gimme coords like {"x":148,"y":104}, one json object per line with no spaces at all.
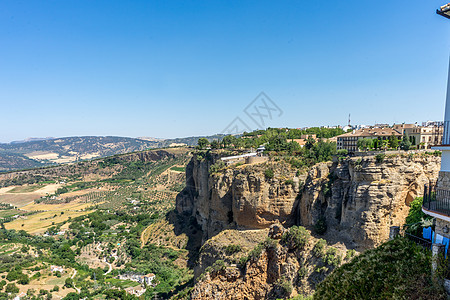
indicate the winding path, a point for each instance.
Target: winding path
{"x":72,"y":277}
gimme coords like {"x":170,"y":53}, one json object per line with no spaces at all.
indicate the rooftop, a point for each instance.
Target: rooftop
{"x":371,"y":132}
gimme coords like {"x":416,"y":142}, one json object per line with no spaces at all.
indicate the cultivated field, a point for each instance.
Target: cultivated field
{"x":47,"y":215}
{"x":23,"y":195}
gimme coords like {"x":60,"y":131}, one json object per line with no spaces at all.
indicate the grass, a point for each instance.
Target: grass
{"x":122,"y":283}
{"x":178,"y":169}
{"x":26,"y":188}
{"x":9,"y":212}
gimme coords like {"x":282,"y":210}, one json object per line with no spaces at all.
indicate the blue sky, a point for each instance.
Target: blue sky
{"x":181,"y":68}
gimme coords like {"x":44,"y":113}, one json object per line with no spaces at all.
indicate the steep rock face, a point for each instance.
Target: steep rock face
{"x":358,"y":198}
{"x":267,"y":275}
{"x":241,"y":197}
{"x":361,"y":198}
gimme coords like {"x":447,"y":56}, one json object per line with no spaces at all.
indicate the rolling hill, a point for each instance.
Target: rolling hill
{"x":33,"y":153}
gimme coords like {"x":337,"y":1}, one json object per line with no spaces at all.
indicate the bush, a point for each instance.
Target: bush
{"x":68,"y":282}
{"x":11,"y":288}
{"x":302,"y":271}
{"x":289,"y":182}
{"x":219,"y":165}
{"x":218,"y":265}
{"x":332,"y":257}
{"x":295,"y":237}
{"x":232,"y":249}
{"x":350,"y":254}
{"x":380,"y":157}
{"x":284,"y":287}
{"x":398,"y":269}
{"x":268,"y":173}
{"x":342,"y":152}
{"x":319,"y":248}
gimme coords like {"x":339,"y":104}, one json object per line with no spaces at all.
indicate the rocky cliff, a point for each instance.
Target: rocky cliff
{"x":356,"y":198}
{"x":360,"y":198}
{"x":242,"y":197}
{"x":351,"y":203}
{"x":272,"y":270}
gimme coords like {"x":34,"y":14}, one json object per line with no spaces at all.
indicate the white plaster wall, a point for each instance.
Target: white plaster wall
{"x":445,"y":162}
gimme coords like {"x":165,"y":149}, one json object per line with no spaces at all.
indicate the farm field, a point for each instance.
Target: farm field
{"x":47,"y":215}
{"x":23,"y":195}
{"x":106,"y":209}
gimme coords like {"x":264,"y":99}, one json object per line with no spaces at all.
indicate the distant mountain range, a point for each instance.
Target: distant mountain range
{"x":38,"y":152}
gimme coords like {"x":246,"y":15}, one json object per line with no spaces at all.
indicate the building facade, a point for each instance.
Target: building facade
{"x":349,"y":141}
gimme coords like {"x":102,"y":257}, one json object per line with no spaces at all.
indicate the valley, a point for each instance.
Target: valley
{"x":199,"y":228}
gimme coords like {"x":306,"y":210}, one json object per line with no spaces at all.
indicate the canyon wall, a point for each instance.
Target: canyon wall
{"x":357,"y":198}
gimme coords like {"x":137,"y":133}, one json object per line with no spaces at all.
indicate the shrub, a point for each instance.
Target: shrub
{"x":284,"y":287}
{"x":218,"y":265}
{"x":270,"y":243}
{"x":11,"y":288}
{"x":216,"y":167}
{"x":342,"y":152}
{"x":302,"y":271}
{"x":268,"y":173}
{"x":68,"y":282}
{"x":332,"y":257}
{"x":319,"y":248}
{"x":398,"y":269}
{"x":289,"y":181}
{"x":350,"y":254}
{"x":256,"y":252}
{"x":232,"y":249}
{"x":380,"y":157}
{"x":243,"y":261}
{"x":295,"y":237}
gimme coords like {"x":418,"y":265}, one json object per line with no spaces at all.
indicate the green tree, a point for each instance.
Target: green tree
{"x":405,"y":144}
{"x":365,"y":144}
{"x":68,"y":282}
{"x":228,"y":140}
{"x":215,"y":144}
{"x":202,"y":143}
{"x":393,"y":142}
{"x":11,"y":288}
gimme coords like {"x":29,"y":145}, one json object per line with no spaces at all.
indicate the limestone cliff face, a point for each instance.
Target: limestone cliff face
{"x":361,"y":198}
{"x":241,"y":197}
{"x":278,"y":272}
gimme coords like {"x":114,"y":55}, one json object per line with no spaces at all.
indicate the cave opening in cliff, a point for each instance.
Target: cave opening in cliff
{"x":230,"y":217}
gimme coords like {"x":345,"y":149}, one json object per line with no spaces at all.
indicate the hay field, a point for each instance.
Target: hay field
{"x":21,"y":196}
{"x":50,"y":214}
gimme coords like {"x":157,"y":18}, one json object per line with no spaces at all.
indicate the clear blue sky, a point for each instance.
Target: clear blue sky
{"x":181,"y":68}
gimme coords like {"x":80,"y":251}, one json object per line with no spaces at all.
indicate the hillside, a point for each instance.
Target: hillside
{"x":33,"y":153}
{"x":264,"y":228}
{"x":90,"y":219}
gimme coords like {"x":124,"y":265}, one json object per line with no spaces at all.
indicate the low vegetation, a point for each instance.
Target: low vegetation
{"x":398,"y":269}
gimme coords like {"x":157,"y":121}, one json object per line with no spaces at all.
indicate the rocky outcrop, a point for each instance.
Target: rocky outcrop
{"x":277,"y":271}
{"x":353,"y":201}
{"x":357,"y":199}
{"x":360,"y":198}
{"x":244,"y":197}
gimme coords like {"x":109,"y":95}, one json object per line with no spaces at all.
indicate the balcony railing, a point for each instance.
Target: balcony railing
{"x":436,"y":200}
{"x":426,"y":244}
